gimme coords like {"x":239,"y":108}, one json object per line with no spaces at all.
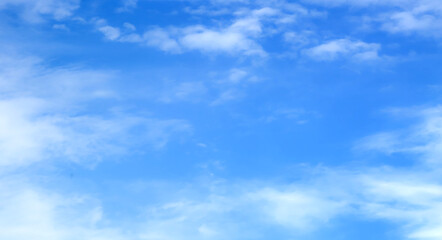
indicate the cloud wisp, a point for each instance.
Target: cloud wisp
{"x":241,"y":36}
{"x":35,"y":11}
{"x":36,"y":124}
{"x":344,"y":48}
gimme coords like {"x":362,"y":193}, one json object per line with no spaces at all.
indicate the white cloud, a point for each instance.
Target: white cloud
{"x":384,"y":142}
{"x":129,"y":26}
{"x":109,"y":32}
{"x":190,"y":220}
{"x":243,"y":210}
{"x":60,"y":27}
{"x":31,"y":131}
{"x":412,"y":198}
{"x":213,"y":41}
{"x":240,"y":36}
{"x":297,"y":209}
{"x":409,"y":199}
{"x":406,"y":199}
{"x":239,"y":213}
{"x":425,"y":22}
{"x":23,"y":136}
{"x":359,"y":2}
{"x":342,"y":48}
{"x":400,"y":16}
{"x":41,"y":116}
{"x":406,"y":21}
{"x":223,"y":86}
{"x":423,"y":139}
{"x":236,"y":75}
{"x":28,"y":77}
{"x":227,"y":210}
{"x":299,"y":39}
{"x":127,"y":5}
{"x":29,"y":212}
{"x":185,"y":91}
{"x":227,"y":95}
{"x":35,"y":10}
{"x":230,"y":40}
{"x":162,"y":39}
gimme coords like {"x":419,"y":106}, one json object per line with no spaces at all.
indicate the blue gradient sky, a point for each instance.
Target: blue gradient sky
{"x":220,"y":120}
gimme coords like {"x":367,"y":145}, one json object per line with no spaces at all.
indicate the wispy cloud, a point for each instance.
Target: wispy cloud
{"x":400,"y":16}
{"x":200,"y":38}
{"x":37,"y":125}
{"x":408,"y":199}
{"x":35,"y":11}
{"x":127,"y":5}
{"x":28,"y":211}
{"x":241,"y":35}
{"x":235,"y":210}
{"x":344,"y":48}
{"x":422,"y":139}
{"x":240,"y":213}
{"x":184,"y":91}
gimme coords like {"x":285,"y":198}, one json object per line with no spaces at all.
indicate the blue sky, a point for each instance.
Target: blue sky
{"x":220,"y":120}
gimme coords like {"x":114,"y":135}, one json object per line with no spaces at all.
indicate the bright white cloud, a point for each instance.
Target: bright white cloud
{"x":210,"y":41}
{"x":25,"y":137}
{"x":109,"y":32}
{"x":199,"y":38}
{"x":240,"y":36}
{"x":297,"y":209}
{"x":29,"y":212}
{"x":36,"y":125}
{"x":411,"y":198}
{"x":32,"y":131}
{"x":343,"y":48}
{"x":406,"y":199}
